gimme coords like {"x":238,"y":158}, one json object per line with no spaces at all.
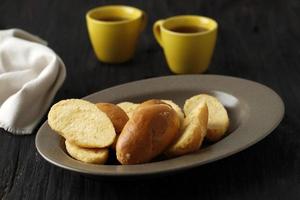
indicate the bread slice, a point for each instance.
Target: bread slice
{"x":128,"y":107}
{"x":87,"y":155}
{"x":218,"y":121}
{"x":193,"y":132}
{"x":81,"y":123}
{"x":176,"y":108}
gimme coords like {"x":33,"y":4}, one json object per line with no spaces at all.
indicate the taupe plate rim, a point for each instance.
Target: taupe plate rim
{"x":260,"y":100}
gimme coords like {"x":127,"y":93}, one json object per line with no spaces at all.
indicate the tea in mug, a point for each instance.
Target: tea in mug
{"x":189,"y":29}
{"x":112,"y":19}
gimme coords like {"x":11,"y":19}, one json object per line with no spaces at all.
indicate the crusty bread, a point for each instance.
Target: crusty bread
{"x":81,"y":123}
{"x":193,"y":132}
{"x":218,"y":120}
{"x":116,"y":114}
{"x":150,"y":130}
{"x":128,"y":107}
{"x":87,"y":155}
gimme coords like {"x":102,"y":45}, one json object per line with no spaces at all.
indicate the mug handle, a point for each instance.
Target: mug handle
{"x":157,"y":31}
{"x":144,"y":21}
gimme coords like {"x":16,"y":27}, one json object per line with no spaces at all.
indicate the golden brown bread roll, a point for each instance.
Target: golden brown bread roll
{"x":150,"y":130}
{"x":117,"y":116}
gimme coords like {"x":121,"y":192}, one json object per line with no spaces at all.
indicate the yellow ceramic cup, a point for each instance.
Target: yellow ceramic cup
{"x":114,"y":31}
{"x":186,"y":49}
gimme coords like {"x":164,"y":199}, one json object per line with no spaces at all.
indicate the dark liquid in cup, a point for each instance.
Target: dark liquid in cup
{"x":189,"y":29}
{"x":112,"y":19}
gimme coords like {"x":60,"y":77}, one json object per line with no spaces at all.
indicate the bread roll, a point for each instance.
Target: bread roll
{"x":81,"y":123}
{"x":193,"y":132}
{"x":87,"y":155}
{"x":116,"y":114}
{"x":150,"y":130}
{"x":128,"y":107}
{"x":218,"y":120}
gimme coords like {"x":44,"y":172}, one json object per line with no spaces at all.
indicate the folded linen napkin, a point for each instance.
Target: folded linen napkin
{"x":30,"y":75}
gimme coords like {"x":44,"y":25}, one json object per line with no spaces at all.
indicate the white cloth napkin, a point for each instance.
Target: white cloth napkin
{"x":30,"y":75}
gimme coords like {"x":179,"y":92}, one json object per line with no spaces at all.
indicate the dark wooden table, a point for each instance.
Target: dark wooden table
{"x":258,"y":40}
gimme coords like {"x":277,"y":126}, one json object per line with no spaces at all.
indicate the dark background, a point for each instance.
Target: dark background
{"x":258,"y":40}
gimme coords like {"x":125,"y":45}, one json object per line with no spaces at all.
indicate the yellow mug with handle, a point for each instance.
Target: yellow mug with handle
{"x":188,"y":42}
{"x":114,"y":31}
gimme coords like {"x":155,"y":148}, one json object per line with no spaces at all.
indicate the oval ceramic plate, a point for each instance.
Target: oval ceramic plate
{"x":254,"y":110}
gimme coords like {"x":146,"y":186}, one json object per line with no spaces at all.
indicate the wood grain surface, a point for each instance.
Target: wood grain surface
{"x":258,"y":40}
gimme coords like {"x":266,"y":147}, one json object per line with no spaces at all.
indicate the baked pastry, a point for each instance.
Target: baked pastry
{"x":150,"y":130}
{"x":218,"y":121}
{"x":138,"y":132}
{"x":128,"y":107}
{"x":81,"y":123}
{"x":87,"y":155}
{"x":193,"y":132}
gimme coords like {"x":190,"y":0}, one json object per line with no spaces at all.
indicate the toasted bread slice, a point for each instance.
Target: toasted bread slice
{"x":176,"y":108}
{"x":218,"y":120}
{"x":128,"y":107}
{"x":81,"y":123}
{"x":87,"y":155}
{"x":193,"y":132}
